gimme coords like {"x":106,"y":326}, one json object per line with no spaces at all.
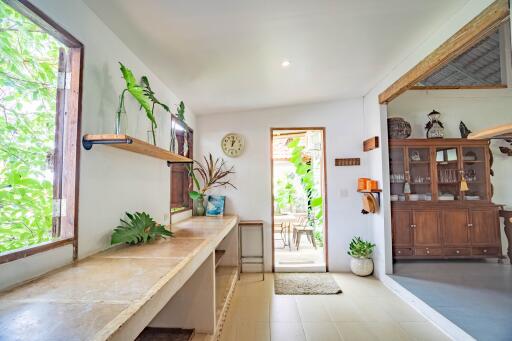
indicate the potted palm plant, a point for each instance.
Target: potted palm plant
{"x":213,"y":174}
{"x":361,"y":252}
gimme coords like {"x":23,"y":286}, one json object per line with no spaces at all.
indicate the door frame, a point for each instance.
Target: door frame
{"x":491,"y":18}
{"x":324,"y":190}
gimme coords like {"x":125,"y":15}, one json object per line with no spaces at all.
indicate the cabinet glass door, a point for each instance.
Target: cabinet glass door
{"x":475,"y":167}
{"x":448,"y":174}
{"x":419,"y":176}
{"x":397,"y":173}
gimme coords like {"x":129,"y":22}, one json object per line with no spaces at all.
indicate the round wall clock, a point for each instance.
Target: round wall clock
{"x":233,"y":144}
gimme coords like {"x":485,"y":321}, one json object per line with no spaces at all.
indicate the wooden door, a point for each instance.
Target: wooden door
{"x":484,"y":227}
{"x":455,"y":227}
{"x":427,"y":231}
{"x":401,"y":227}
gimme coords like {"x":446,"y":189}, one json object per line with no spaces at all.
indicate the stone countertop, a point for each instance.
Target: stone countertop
{"x":94,"y":298}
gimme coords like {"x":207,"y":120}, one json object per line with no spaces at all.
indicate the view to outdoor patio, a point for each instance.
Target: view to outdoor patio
{"x":298,"y":202}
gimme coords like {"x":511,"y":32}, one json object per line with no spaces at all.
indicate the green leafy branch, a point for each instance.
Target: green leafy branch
{"x":140,"y":228}
{"x":143,"y":94}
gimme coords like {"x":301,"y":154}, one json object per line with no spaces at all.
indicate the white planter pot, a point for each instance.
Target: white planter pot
{"x":361,"y":266}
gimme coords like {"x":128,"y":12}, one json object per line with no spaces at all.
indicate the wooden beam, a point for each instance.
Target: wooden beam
{"x":487,"y":21}
{"x":502,"y":131}
{"x":505,"y":55}
{"x":460,"y":87}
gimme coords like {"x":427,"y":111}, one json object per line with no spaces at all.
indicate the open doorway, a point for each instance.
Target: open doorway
{"x":299,"y":223}
{"x":450,"y":190}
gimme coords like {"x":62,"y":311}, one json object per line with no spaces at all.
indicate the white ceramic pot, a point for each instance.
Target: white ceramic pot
{"x":361,"y":266}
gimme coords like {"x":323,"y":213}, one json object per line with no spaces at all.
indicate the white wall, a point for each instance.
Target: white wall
{"x":252,"y":200}
{"x":375,"y":124}
{"x":111,"y":181}
{"x":479,"y":109}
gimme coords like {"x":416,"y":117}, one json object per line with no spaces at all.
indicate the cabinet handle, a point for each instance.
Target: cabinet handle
{"x":485,"y":250}
{"x":457,"y":251}
{"x":428,"y":252}
{"x":470,"y":225}
{"x":399,"y":252}
{"x":413,"y":225}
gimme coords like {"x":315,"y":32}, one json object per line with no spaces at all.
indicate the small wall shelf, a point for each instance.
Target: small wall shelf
{"x":133,"y":145}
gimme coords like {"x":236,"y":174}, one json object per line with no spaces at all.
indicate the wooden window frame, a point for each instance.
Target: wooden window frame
{"x":68,"y":132}
{"x":180,"y":169}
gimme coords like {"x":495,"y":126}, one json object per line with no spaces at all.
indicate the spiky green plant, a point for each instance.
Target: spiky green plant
{"x":181,"y":111}
{"x":140,"y":228}
{"x":213,"y":174}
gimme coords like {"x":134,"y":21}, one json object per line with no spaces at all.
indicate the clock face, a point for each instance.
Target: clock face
{"x":233,"y":144}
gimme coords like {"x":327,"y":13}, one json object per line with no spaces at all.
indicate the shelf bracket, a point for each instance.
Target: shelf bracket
{"x":89,"y":143}
{"x":170,"y":163}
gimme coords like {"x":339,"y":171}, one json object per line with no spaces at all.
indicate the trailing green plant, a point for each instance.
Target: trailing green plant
{"x":213,"y":174}
{"x":143,"y":94}
{"x":304,"y":170}
{"x":181,"y":111}
{"x":359,"y":248}
{"x":140,"y":228}
{"x":285,"y":194}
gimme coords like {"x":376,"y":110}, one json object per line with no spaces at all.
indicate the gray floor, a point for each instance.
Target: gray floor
{"x":475,"y":295}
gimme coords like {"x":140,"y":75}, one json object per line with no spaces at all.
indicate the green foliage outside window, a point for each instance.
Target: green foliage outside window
{"x":28,"y":79}
{"x":304,"y":170}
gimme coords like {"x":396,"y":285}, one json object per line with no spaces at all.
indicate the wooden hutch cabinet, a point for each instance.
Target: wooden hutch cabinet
{"x":431,"y":216}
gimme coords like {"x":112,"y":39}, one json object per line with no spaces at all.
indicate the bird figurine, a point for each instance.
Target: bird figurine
{"x":464,"y":131}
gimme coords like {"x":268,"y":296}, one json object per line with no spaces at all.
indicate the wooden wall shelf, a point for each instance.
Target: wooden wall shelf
{"x":133,"y":145}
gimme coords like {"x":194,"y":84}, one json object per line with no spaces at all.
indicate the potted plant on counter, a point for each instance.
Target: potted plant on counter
{"x":213,"y":173}
{"x":361,"y":251}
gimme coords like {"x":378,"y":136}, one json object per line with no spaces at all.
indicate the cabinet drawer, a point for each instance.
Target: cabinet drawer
{"x":455,"y":251}
{"x":426,"y":251}
{"x":485,"y":251}
{"x":402,"y":252}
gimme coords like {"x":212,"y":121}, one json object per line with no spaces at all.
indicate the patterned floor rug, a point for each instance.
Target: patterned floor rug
{"x":305,"y":284}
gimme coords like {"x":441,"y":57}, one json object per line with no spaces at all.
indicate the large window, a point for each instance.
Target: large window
{"x":39,"y":125}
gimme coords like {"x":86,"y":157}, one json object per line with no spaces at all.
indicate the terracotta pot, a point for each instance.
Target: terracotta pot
{"x":361,"y":266}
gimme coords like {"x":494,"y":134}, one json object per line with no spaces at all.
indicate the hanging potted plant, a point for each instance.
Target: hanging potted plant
{"x":212,"y":174}
{"x":361,"y":251}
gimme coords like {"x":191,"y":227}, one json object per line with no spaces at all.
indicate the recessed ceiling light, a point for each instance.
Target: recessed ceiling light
{"x":285,"y":63}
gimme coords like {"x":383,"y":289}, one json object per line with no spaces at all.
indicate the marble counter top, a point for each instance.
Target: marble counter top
{"x":113,"y":294}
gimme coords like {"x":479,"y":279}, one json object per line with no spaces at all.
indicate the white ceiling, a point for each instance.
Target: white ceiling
{"x":225,"y":55}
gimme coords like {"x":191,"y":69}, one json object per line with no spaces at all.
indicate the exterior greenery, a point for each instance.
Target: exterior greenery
{"x":304,"y":170}
{"x":28,"y":82}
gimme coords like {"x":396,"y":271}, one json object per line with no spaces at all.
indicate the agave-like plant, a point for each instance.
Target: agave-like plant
{"x":143,"y":94}
{"x":140,"y":228}
{"x":213,"y":174}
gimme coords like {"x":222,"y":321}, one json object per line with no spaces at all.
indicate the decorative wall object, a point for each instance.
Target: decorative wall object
{"x":347,"y":162}
{"x":464,"y":131}
{"x":434,"y":127}
{"x":371,"y":144}
{"x":398,"y":128}
{"x":215,"y":206}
